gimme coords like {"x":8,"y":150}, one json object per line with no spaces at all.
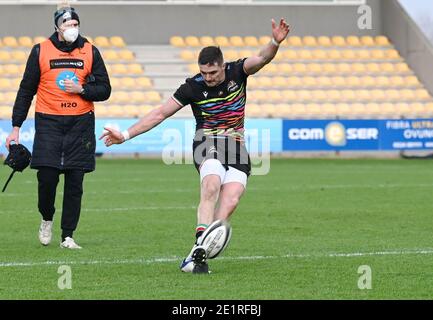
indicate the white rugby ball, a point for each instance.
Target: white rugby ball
{"x":216,"y":238}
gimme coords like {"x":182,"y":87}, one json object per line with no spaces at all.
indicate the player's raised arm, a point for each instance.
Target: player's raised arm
{"x":279,"y":33}
{"x":149,"y":121}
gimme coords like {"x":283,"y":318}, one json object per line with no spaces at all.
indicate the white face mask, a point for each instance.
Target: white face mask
{"x":71,"y":34}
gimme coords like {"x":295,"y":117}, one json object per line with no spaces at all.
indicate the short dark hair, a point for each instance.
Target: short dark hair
{"x":211,"y":55}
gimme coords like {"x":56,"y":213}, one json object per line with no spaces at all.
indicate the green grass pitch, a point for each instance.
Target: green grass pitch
{"x":300,"y":232}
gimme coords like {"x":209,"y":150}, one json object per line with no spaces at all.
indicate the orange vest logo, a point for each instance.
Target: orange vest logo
{"x":56,"y":67}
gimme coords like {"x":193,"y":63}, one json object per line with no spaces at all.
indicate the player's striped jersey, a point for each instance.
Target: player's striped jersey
{"x":218,"y":110}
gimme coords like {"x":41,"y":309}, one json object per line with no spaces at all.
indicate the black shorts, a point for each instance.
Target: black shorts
{"x":227,"y":150}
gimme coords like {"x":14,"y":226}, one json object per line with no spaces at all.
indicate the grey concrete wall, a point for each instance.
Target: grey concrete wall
{"x":409,"y":40}
{"x":153,"y":24}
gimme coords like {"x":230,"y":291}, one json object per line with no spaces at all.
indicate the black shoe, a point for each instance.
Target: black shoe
{"x":200,"y":264}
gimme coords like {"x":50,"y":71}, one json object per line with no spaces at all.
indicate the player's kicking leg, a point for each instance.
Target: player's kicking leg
{"x":212,"y":174}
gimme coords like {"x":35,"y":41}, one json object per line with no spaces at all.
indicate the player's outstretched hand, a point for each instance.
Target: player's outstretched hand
{"x":281,"y":31}
{"x":112,"y":136}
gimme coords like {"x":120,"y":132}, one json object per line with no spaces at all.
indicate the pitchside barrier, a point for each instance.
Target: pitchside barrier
{"x":265,"y":135}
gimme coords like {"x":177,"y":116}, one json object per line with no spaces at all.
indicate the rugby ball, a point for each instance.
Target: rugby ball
{"x":216,"y":238}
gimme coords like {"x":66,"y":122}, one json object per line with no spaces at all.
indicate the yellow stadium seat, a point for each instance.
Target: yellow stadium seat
{"x":153,"y":97}
{"x":144,"y":82}
{"x":283,"y":68}
{"x":115,"y":83}
{"x":363,"y":95}
{"x":110,"y":55}
{"x":319,"y":54}
{"x":324,"y":41}
{"x":252,"y":82}
{"x":299,"y":68}
{"x":290,"y":54}
{"x":313,"y":109}
{"x":39,"y":39}
{"x":319,"y":95}
{"x":15,"y":82}
{"x":367,"y":41}
{"x":402,"y":108}
{"x":387,"y":68}
{"x":363,"y":54}
{"x":305,"y":54}
{"x":392,"y":95}
{"x":299,"y":110}
{"x":5,"y":56}
{"x":102,"y":42}
{"x":192,"y":41}
{"x":1,"y":42}
{"x":402,"y":67}
{"x":188,"y":55}
{"x":11,"y":69}
{"x":119,"y":68}
{"x":289,"y":95}
{"x":368,"y":81}
{"x":193,"y":68}
{"x":304,"y":95}
{"x":5,"y":83}
{"x":117,"y":41}
{"x":338,"y":41}
{"x":264,"y":40}
{"x":280,"y":82}
{"x":26,"y":42}
{"x":382,"y":81}
{"x":126,"y":55}
{"x":329,"y":109}
{"x":354,"y":82}
{"x":128,"y":82}
{"x":334,"y":55}
{"x":131,"y":111}
{"x":119,"y":97}
{"x":5,"y":112}
{"x":392,"y":54}
{"x":309,"y":41}
{"x":271,"y":68}
{"x":207,"y":41}
{"x":344,"y":68}
{"x":135,"y":68}
{"x":9,"y":96}
{"x":429,"y":107}
{"x":177,"y":41}
{"x":309,"y":82}
{"x":324,"y":82}
{"x":236,"y":41}
{"x":222,"y":41}
{"x":348,"y":54}
{"x":295,"y":41}
{"x":382,"y":41}
{"x":348,"y":95}
{"x":397,"y":81}
{"x":101,"y":111}
{"x":264,"y":82}
{"x":251,"y":41}
{"x":275,"y":95}
{"x":138,"y":97}
{"x":252,"y":110}
{"x":339,"y":81}
{"x":412,"y":81}
{"x":408,"y":95}
{"x":10,"y":42}
{"x":372,"y":108}
{"x":279,"y":56}
{"x":116,"y":111}
{"x":245,"y":54}
{"x":373,"y":68}
{"x":357,"y":109}
{"x":378,"y":95}
{"x":422,"y":94}
{"x":359,"y":68}
{"x":353,"y":41}
{"x":314,"y":68}
{"x":295,"y":82}
{"x":417,"y":108}
{"x":329,"y":68}
{"x":231,"y":55}
{"x":377,"y":54}
{"x":342,"y":109}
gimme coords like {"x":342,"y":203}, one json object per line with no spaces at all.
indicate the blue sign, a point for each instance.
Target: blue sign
{"x":353,"y":135}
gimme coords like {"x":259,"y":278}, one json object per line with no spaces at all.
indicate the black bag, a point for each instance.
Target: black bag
{"x":18,"y":159}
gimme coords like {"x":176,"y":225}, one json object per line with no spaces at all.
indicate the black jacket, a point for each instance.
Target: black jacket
{"x":63,"y":142}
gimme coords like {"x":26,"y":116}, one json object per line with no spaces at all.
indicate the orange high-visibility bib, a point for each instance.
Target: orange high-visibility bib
{"x":57,"y":66}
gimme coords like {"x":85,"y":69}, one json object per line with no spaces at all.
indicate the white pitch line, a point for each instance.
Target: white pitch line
{"x":177,"y":259}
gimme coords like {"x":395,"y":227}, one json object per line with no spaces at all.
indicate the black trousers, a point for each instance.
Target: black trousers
{"x":48,"y":179}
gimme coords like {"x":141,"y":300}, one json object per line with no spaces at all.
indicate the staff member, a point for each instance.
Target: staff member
{"x":67,"y":74}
